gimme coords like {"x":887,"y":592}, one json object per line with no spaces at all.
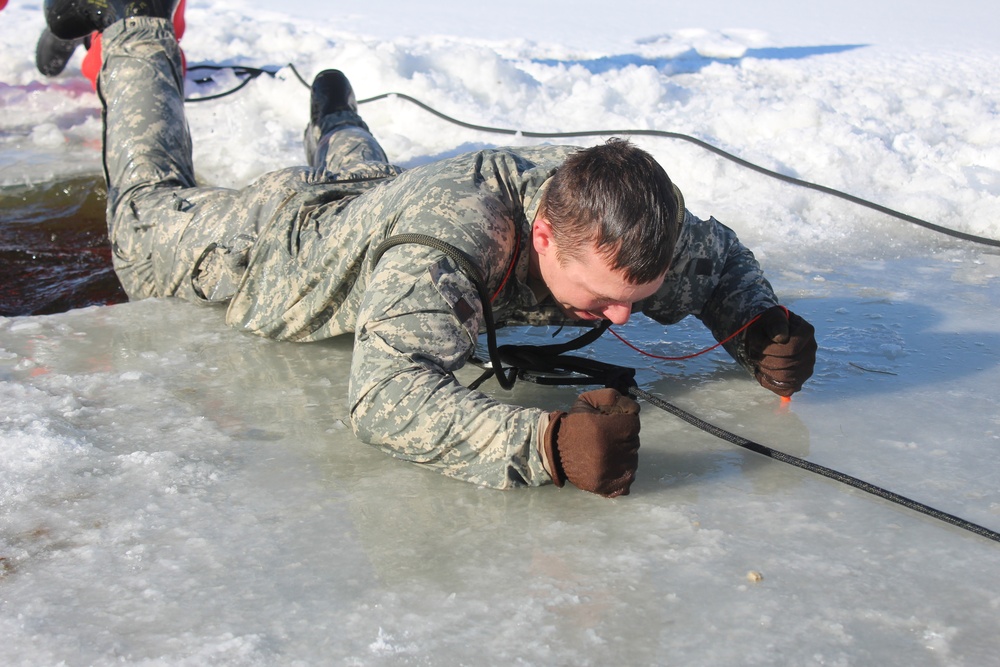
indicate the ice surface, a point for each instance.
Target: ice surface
{"x":173,"y":492}
{"x":179,"y":493}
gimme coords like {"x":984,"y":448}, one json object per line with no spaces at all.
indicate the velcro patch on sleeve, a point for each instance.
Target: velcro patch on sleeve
{"x":460,"y":294}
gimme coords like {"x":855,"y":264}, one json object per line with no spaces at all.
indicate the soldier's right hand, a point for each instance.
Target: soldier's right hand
{"x":596,"y":444}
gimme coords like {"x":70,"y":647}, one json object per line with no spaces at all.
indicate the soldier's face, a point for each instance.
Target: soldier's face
{"x":586,"y":288}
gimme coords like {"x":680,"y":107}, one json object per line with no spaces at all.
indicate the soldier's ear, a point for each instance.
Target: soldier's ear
{"x":542,"y":239}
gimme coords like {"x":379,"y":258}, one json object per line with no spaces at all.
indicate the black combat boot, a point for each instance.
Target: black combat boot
{"x":330,"y":92}
{"x":52,"y":53}
{"x":72,"y":19}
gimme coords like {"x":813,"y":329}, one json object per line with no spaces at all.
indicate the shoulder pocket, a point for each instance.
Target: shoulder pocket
{"x":460,"y":294}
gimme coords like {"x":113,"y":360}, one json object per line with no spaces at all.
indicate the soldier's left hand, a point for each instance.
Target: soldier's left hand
{"x":782,"y":347}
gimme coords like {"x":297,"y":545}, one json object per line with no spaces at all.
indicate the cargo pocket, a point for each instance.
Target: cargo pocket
{"x":132,"y":253}
{"x":220,"y":268}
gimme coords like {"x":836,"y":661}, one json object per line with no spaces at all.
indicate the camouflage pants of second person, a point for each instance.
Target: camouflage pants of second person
{"x":160,"y":221}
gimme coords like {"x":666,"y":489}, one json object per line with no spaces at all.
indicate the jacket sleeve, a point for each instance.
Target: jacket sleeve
{"x":715,"y":278}
{"x":417,"y":325}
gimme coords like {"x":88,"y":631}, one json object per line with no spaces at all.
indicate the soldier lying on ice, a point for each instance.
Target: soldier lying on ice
{"x":558,"y":235}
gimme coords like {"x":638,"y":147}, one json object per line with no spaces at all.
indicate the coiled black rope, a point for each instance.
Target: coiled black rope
{"x":252,"y":73}
{"x":248,"y":74}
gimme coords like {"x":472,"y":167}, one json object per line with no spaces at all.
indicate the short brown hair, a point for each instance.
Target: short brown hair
{"x":617,"y":198}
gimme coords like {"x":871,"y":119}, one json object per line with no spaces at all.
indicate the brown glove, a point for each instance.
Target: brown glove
{"x":596,"y":445}
{"x":782,"y":348}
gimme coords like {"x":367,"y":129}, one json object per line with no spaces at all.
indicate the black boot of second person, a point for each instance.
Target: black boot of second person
{"x":72,"y":19}
{"x":52,"y":53}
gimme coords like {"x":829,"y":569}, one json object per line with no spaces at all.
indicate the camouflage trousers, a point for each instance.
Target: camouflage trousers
{"x":160,"y":222}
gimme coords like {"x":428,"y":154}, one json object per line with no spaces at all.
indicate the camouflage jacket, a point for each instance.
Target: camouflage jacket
{"x":416,"y":317}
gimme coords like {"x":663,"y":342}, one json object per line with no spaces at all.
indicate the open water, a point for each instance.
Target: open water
{"x":54,"y":250}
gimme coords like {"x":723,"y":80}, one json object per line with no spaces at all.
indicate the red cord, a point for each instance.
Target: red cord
{"x":696,"y":354}
{"x":510,"y":269}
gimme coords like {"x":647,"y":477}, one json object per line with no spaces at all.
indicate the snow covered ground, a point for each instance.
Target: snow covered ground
{"x":173,"y":492}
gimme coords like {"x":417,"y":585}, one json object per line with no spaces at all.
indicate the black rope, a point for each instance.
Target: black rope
{"x":544,"y":369}
{"x":545,"y":364}
{"x":813,"y":467}
{"x":250,"y":73}
{"x":253,"y":73}
{"x":707,"y":146}
{"x":609,"y":374}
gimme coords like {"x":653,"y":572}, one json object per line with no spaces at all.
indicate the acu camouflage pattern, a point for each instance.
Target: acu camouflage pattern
{"x":291,"y":254}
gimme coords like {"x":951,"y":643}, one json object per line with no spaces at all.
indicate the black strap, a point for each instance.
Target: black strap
{"x":550,"y":365}
{"x":472,"y":273}
{"x":566,"y":369}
